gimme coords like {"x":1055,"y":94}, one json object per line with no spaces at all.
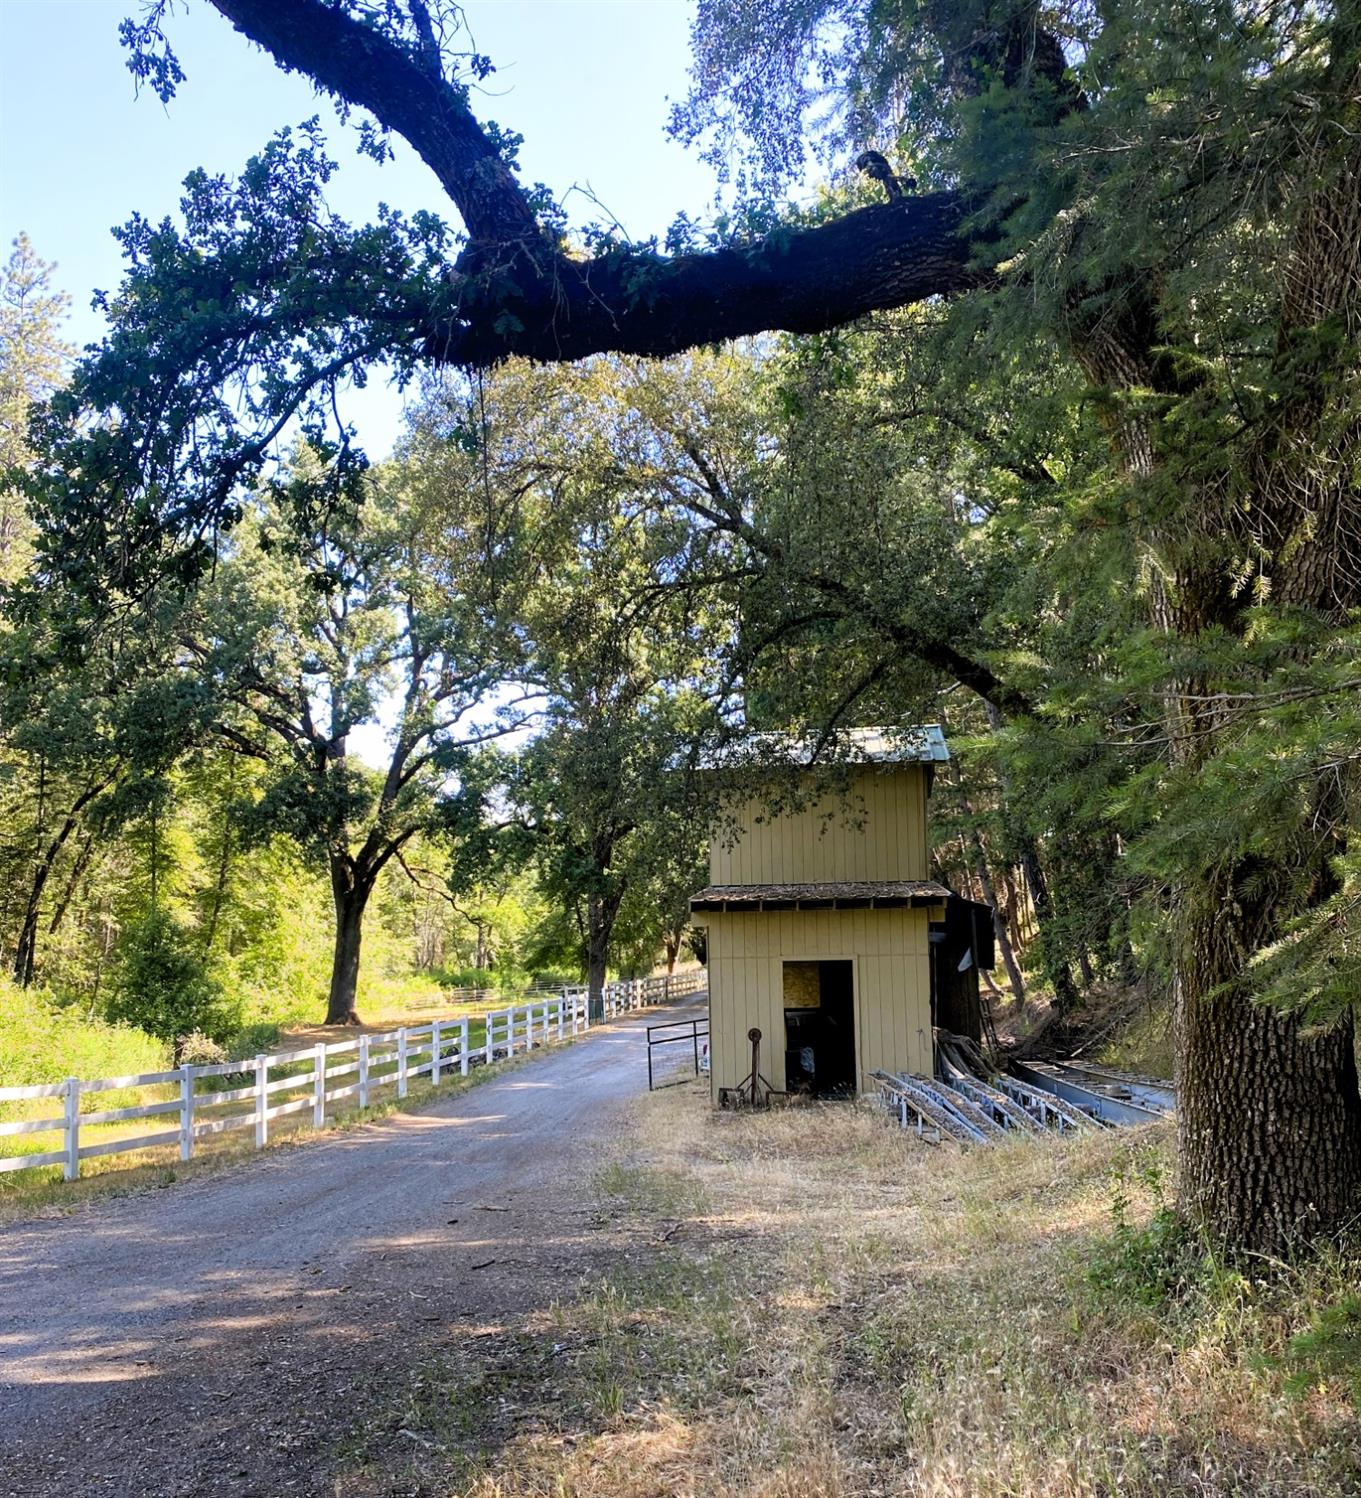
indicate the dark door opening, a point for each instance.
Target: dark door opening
{"x":819,"y":1025}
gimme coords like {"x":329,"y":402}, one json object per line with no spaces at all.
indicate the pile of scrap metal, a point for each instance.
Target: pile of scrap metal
{"x":975,"y":1102}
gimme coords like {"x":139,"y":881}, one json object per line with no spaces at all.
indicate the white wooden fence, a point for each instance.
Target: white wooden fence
{"x":313,"y":1077}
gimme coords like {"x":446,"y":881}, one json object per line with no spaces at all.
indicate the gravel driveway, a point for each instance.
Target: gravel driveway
{"x":221,"y":1336}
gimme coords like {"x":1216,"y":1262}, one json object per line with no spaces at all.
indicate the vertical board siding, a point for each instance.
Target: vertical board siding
{"x":877,"y":830}
{"x":747,"y":953}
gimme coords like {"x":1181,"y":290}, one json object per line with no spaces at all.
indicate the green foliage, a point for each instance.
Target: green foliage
{"x":160,"y":983}
{"x":1329,"y":1348}
{"x":1153,"y":1263}
{"x":42,"y":1040}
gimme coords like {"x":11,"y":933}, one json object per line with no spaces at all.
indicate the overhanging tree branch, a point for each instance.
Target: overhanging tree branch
{"x":514,"y":290}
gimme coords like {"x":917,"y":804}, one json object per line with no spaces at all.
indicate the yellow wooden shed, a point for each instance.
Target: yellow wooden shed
{"x":818,"y":917}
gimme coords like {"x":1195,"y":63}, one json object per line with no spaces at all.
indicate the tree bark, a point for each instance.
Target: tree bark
{"x":351,"y":896}
{"x":1268,"y":1109}
{"x":601,"y":910}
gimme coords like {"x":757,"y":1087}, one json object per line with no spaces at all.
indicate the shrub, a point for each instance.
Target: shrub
{"x":161,"y":985}
{"x":40,"y":1041}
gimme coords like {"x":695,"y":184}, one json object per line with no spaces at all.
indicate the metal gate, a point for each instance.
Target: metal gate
{"x":667,"y":1067}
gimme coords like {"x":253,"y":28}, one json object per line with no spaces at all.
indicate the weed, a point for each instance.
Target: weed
{"x":1152,"y":1261}
{"x":1329,"y":1348}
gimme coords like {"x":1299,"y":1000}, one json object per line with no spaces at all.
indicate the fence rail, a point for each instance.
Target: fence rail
{"x":305,"y":1079}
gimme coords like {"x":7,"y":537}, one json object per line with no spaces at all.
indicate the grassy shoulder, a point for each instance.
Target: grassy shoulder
{"x":43,"y":1042}
{"x":42,"y":1191}
{"x":807,"y":1304}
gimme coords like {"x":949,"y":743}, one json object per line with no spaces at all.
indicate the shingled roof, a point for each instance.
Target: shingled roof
{"x":876,"y":894}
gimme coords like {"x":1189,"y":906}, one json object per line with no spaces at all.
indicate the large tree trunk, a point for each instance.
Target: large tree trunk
{"x":601,"y":911}
{"x":1268,"y":1123}
{"x":351,"y":896}
{"x":1269,"y":1114}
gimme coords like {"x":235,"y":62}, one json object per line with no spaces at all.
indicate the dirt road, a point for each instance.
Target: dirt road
{"x":219,"y":1337}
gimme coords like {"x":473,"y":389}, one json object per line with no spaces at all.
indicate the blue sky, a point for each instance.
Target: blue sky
{"x":585,"y":81}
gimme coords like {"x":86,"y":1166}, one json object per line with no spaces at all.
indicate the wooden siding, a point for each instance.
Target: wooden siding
{"x":876,"y":831}
{"x":889,"y":950}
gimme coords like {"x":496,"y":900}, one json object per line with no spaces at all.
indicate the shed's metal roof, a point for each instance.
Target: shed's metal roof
{"x":923,"y":743}
{"x":877,"y":894}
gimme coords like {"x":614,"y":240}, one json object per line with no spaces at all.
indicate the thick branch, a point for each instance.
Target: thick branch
{"x":512,"y":302}
{"x":514,"y":293}
{"x":406,"y":91}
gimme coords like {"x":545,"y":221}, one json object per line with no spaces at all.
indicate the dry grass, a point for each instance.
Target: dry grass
{"x":807,"y":1304}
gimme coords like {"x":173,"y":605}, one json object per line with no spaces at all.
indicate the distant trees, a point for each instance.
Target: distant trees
{"x":610,"y":808}
{"x":33,"y":362}
{"x":320,"y":624}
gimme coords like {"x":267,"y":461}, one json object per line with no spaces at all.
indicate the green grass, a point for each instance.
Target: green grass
{"x":43,"y":1042}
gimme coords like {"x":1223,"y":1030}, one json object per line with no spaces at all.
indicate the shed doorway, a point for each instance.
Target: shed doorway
{"x":819,"y":1028}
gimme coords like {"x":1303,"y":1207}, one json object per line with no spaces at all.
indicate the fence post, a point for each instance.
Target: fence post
{"x":186,"y":1112}
{"x":71,"y":1169}
{"x":319,"y":1087}
{"x":401,"y":1061}
{"x":363,"y":1071}
{"x":261,"y":1101}
{"x":562,"y":1013}
{"x":434,"y":1051}
{"x":463,"y":1047}
{"x":490,"y":1047}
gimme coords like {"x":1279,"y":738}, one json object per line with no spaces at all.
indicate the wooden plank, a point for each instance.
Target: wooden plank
{"x":319,"y":1088}
{"x":32,"y":1126}
{"x":71,"y":1169}
{"x":296,"y":1106}
{"x":221,"y":1069}
{"x":145,"y":1079}
{"x":31,"y":1162}
{"x":281,"y":1084}
{"x":187,"y":1114}
{"x":232,"y":1095}
{"x":41,"y":1089}
{"x":119,"y":1115}
{"x":334,"y":1094}
{"x":261,"y":1102}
